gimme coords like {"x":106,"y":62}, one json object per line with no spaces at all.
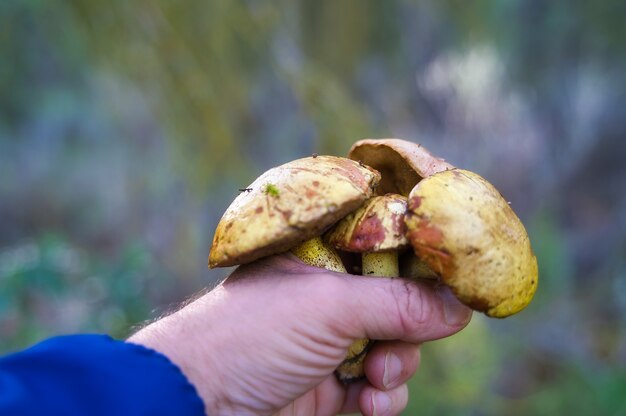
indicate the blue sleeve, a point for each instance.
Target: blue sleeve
{"x":93,"y":375}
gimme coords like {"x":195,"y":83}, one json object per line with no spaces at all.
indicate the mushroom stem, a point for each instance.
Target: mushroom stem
{"x":315,"y":252}
{"x":375,"y":264}
{"x":381,"y":264}
{"x":413,"y":267}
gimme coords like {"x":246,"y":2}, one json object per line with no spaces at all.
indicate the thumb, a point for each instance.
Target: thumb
{"x":411,"y":311}
{"x":356,"y":306}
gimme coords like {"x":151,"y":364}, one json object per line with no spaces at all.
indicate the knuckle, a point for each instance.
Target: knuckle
{"x":327,"y":291}
{"x":413,"y":308}
{"x":329,"y":284}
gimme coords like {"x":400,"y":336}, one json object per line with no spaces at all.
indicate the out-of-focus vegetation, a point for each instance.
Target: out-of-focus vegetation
{"x":126,"y":128}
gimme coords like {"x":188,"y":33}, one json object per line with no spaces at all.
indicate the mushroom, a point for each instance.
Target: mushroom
{"x":376,"y":230}
{"x":465,"y":231}
{"x":402,"y":164}
{"x":288,"y":205}
{"x":288,"y":208}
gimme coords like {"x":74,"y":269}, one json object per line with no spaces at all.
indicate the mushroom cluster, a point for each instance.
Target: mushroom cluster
{"x":389,"y":195}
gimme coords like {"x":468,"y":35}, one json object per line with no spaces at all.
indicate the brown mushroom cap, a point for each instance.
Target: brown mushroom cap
{"x":288,"y":205}
{"x":463,"y":229}
{"x":377,"y":226}
{"x":401,"y":163}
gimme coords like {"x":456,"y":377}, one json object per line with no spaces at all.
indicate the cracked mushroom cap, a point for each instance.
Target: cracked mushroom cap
{"x":288,"y":205}
{"x":402,"y":164}
{"x":463,"y":229}
{"x":377,"y":226}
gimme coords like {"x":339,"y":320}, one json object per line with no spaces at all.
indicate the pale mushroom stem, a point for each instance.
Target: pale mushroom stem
{"x":315,"y":252}
{"x":381,"y":264}
{"x":415,"y":268}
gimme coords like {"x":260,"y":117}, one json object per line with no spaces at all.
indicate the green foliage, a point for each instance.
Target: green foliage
{"x":456,"y":374}
{"x":478,"y":372}
{"x":550,"y":246}
{"x":50,"y":286}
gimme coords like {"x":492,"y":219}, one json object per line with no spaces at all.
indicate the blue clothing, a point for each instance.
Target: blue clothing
{"x":93,"y":375}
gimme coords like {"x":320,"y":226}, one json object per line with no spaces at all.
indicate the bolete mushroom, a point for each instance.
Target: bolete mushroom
{"x":377,"y":231}
{"x":461,"y":226}
{"x":402,"y":164}
{"x":288,"y":208}
{"x":288,"y":205}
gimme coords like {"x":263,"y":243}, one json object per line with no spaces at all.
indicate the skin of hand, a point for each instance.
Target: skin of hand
{"x":267,"y":340}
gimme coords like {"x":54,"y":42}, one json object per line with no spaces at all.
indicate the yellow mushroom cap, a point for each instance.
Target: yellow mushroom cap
{"x":401,"y":163}
{"x":377,"y":226}
{"x":463,"y":229}
{"x":290,"y":204}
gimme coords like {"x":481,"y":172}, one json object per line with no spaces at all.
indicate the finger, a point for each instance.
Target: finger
{"x":391,"y":363}
{"x":374,"y":402}
{"x":376,"y":308}
{"x":386,"y":309}
{"x":330,"y":396}
{"x":366,"y":307}
{"x":352,"y":397}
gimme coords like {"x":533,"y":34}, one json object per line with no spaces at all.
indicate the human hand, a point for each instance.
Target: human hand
{"x":267,"y":340}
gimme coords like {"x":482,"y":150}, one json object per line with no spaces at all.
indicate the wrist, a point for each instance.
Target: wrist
{"x":187,"y":346}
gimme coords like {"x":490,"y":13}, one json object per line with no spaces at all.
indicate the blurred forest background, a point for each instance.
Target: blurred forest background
{"x":126,"y":128}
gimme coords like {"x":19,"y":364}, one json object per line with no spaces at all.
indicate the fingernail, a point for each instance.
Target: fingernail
{"x":455,"y":313}
{"x":393,"y":370}
{"x":381,"y":403}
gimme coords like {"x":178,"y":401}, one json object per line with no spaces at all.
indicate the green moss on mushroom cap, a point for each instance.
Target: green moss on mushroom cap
{"x":271,"y":190}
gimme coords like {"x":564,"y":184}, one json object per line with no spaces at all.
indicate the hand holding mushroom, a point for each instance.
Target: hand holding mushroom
{"x":462,"y":232}
{"x":268,"y":339}
{"x":461,"y":229}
